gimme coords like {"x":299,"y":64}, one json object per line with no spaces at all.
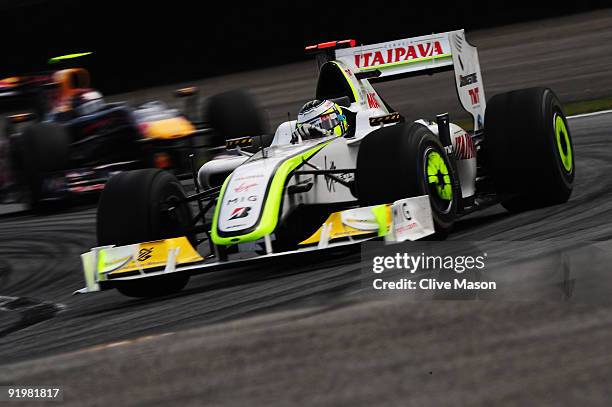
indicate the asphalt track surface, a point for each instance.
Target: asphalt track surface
{"x":307,"y":334}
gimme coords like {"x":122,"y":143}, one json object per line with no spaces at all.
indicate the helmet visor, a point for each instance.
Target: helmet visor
{"x":327,"y":121}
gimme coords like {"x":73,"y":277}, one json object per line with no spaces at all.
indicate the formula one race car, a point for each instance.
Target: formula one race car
{"x":348,"y":170}
{"x":23,"y":91}
{"x":77,"y":141}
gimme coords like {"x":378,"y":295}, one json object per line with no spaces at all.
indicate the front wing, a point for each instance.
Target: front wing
{"x":108,"y":266}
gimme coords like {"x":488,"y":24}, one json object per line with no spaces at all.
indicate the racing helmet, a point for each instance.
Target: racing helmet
{"x":325,"y":114}
{"x":86,"y":101}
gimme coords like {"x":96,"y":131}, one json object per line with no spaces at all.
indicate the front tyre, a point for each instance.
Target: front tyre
{"x":142,"y":206}
{"x":528,"y":149}
{"x":404,"y":161}
{"x":43,"y":148}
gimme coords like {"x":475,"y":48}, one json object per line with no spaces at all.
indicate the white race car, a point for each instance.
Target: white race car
{"x":386,"y":177}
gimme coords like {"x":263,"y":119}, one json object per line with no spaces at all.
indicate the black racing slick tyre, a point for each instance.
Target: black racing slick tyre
{"x":43,"y":148}
{"x":404,"y":161}
{"x":142,"y":206}
{"x":528,"y":149}
{"x":234,"y":114}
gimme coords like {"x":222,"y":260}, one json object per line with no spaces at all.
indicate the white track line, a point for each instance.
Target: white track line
{"x":589,"y":114}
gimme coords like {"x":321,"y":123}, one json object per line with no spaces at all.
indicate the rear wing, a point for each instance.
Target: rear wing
{"x":423,"y":55}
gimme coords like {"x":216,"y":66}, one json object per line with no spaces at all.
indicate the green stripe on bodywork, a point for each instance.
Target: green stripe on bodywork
{"x":380,"y":213}
{"x":410,"y":61}
{"x":101,"y":262}
{"x":269,"y":216}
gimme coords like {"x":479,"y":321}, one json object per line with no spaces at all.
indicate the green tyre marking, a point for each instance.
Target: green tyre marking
{"x":564,"y":146}
{"x":437,"y":174}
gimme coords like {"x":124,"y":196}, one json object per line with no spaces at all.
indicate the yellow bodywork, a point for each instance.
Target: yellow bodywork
{"x":175,"y":127}
{"x":146,"y":255}
{"x":340,"y":229}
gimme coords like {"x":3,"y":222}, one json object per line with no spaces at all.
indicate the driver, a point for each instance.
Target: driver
{"x":319,"y":119}
{"x":80,"y":103}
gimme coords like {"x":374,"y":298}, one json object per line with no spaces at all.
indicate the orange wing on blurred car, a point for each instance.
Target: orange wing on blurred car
{"x":171,"y":128}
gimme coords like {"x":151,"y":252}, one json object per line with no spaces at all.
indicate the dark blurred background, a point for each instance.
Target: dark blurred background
{"x":140,"y":44}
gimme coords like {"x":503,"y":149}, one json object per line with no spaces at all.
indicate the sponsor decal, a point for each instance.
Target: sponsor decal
{"x":244,"y":187}
{"x":474,"y":96}
{"x":145,"y":254}
{"x":406,"y":227}
{"x":406,"y":212}
{"x":403,"y":213}
{"x":398,"y":54}
{"x":464,"y":147}
{"x":331,"y":183}
{"x":241,"y":212}
{"x":250,"y":198}
{"x":248,"y":177}
{"x":467,"y":79}
{"x":412,"y":219}
{"x":372,"y":102}
{"x":236,"y":226}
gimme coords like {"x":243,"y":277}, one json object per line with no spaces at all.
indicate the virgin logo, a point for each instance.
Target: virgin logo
{"x":244,"y":187}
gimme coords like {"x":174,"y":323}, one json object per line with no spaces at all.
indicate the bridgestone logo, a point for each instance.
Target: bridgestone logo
{"x":240,"y":213}
{"x":467,"y":79}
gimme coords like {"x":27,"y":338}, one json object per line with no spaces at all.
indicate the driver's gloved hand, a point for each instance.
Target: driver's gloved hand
{"x":307,"y":132}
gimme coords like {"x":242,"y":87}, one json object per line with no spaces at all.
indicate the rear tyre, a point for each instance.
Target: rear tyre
{"x":134,"y":208}
{"x":404,"y":161}
{"x":43,"y":148}
{"x":528,"y":149}
{"x":235,"y":114}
